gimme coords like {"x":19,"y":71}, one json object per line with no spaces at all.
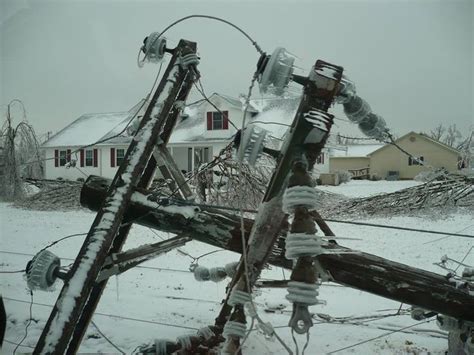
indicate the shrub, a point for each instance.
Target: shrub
{"x":344,"y":176}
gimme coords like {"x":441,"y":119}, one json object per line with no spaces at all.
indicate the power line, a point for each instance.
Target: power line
{"x":378,"y":337}
{"x":203,"y":94}
{"x":254,"y":43}
{"x":139,"y":320}
{"x":27,"y":325}
{"x":70,"y":259}
{"x":12,"y":272}
{"x":17,"y":344}
{"x":108,"y":340}
{"x":61,"y":239}
{"x":447,"y":236}
{"x":401,"y":228}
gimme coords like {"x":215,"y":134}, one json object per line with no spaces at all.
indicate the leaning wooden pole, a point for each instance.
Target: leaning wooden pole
{"x":348,"y":267}
{"x":144,"y":182}
{"x":71,"y":301}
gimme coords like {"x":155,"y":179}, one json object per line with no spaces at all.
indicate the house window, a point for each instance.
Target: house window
{"x":89,"y":157}
{"x":119,"y":156}
{"x":217,"y":120}
{"x":320,"y":159}
{"x":416,"y":160}
{"x":62,"y":157}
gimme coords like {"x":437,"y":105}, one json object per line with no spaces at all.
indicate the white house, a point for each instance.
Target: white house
{"x":201,"y":132}
{"x":205,"y":129}
{"x":67,"y":159}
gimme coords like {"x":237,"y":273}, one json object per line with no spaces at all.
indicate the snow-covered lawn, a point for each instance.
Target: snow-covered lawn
{"x":162,"y":299}
{"x":364,"y":188}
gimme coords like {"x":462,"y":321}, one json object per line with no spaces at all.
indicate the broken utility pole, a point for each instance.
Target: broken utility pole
{"x":69,"y":315}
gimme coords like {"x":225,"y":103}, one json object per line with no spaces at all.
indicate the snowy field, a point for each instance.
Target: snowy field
{"x":161,"y":299}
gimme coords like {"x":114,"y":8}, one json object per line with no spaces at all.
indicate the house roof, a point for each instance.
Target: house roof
{"x":230,"y":100}
{"x":93,"y":127}
{"x":429,"y":139}
{"x":354,"y":150}
{"x":90,"y":128}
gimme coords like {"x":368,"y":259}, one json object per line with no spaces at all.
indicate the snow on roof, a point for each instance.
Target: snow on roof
{"x":93,"y":127}
{"x":193,"y":128}
{"x":190,"y":128}
{"x":230,"y":100}
{"x":355,"y":150}
{"x":90,"y":128}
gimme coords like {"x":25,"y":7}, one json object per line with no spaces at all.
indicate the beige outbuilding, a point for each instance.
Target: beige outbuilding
{"x":429,"y":153}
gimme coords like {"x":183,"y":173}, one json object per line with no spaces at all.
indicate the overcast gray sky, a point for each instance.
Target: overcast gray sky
{"x":411,"y":60}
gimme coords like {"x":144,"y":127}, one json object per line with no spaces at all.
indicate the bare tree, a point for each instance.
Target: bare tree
{"x":438,"y":132}
{"x":452,"y":135}
{"x":20,"y":154}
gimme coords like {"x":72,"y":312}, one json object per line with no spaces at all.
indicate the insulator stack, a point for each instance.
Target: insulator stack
{"x":302,"y":244}
{"x":252,"y":144}
{"x":359,"y":112}
{"x":236,"y":327}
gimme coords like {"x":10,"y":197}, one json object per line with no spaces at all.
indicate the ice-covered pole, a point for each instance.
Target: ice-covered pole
{"x":306,"y":139}
{"x":73,"y":297}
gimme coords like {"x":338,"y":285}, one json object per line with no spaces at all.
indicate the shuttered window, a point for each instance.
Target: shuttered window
{"x":217,"y":120}
{"x":89,"y":157}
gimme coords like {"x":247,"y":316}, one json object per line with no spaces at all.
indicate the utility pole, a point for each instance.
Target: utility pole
{"x":80,"y":293}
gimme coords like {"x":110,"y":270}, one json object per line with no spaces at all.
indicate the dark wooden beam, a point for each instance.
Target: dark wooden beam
{"x":345,"y":266}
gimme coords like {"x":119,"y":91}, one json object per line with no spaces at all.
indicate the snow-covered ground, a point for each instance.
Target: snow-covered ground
{"x":364,"y":188}
{"x":162,"y":299}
